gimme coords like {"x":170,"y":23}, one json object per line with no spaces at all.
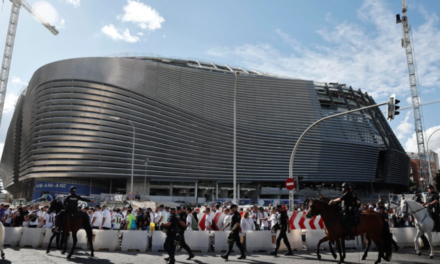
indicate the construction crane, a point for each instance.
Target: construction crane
{"x":406,"y":44}
{"x":9,"y":47}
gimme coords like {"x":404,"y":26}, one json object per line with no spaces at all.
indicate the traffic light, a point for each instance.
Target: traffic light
{"x":392,"y":107}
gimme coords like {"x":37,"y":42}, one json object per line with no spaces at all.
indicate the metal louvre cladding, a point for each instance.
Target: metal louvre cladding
{"x":184,"y":124}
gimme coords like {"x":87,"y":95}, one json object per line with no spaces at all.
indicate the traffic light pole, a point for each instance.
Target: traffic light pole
{"x":302,"y":136}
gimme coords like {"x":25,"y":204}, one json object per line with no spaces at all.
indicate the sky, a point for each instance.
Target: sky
{"x":357,"y":43}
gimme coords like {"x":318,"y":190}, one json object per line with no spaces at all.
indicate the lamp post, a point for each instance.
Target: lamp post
{"x":429,"y":156}
{"x":145,"y":180}
{"x":235,"y":141}
{"x":132,"y":153}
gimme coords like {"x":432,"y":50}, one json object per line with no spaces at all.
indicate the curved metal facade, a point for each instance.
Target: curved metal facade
{"x":183,"y":114}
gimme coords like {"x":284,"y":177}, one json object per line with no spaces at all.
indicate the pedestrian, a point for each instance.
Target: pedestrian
{"x":182,"y":227}
{"x":7,"y":218}
{"x":234,"y":234}
{"x":172,"y":230}
{"x":97,"y":218}
{"x":283,"y":222}
{"x":273,"y":222}
{"x":48,"y":219}
{"x":129,"y":220}
{"x":33,"y":219}
{"x":117,"y":219}
{"x":227,"y":219}
{"x":247,"y":224}
{"x":264,"y":219}
{"x":106,"y":218}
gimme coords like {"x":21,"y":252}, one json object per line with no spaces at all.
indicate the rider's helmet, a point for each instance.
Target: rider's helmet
{"x":431,"y":186}
{"x":346,"y":185}
{"x":72,"y":189}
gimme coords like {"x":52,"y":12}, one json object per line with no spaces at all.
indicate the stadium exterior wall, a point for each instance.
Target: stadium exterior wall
{"x":184,"y":126}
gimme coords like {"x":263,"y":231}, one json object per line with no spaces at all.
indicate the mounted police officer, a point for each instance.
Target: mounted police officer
{"x":172,"y":230}
{"x":417,"y":198}
{"x":347,"y":202}
{"x":234,"y":235}
{"x":432,"y":202}
{"x":381,"y":201}
{"x":283,"y":223}
{"x":71,"y":207}
{"x":356,"y":200}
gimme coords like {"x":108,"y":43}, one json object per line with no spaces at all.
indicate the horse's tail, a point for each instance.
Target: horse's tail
{"x":88,"y":228}
{"x":386,"y":241}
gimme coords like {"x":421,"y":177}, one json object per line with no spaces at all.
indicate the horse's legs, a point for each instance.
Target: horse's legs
{"x":65,"y":242}
{"x":429,"y":237}
{"x":331,"y":249}
{"x":379,"y":246}
{"x":58,"y":237}
{"x":338,"y":246}
{"x":50,"y":242}
{"x":74,"y":244}
{"x":416,"y":241}
{"x":368,"y":241}
{"x":343,"y":248}
{"x":319,"y":244}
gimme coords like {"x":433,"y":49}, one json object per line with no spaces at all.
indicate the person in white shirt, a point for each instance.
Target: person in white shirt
{"x":165,"y":215}
{"x":208,"y":219}
{"x":256,"y":216}
{"x":188,"y":219}
{"x":158,"y":217}
{"x":48,"y":219}
{"x":97,"y":218}
{"x":273,"y":222}
{"x":227,"y":219}
{"x":33,"y":222}
{"x":7,"y":216}
{"x":117,"y":219}
{"x":26,"y":221}
{"x":247,"y":224}
{"x":264,"y":219}
{"x":106,"y":218}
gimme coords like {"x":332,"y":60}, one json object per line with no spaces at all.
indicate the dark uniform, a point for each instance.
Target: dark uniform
{"x":417,"y":198}
{"x":381,"y":202}
{"x":182,"y":217}
{"x":356,"y":201}
{"x":172,"y":230}
{"x":70,"y":207}
{"x":434,"y":209}
{"x":347,"y":212}
{"x":236,"y":218}
{"x":385,"y":219}
{"x":283,"y":222}
{"x":306,"y":203}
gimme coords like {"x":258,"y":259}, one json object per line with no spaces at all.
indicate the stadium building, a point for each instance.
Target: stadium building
{"x":74,"y":125}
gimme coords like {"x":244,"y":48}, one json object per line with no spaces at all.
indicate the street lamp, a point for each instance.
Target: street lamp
{"x":235,"y":141}
{"x":429,"y":156}
{"x":116,"y":118}
{"x":145,"y":180}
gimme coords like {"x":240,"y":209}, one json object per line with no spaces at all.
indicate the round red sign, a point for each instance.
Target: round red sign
{"x":290,"y":184}
{"x":131,"y":196}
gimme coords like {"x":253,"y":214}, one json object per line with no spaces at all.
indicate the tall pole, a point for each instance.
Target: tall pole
{"x":302,"y":136}
{"x":132,"y":154}
{"x":235,"y":141}
{"x":429,"y":156}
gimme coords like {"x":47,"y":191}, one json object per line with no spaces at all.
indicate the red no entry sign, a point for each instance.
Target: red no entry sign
{"x":131,"y":196}
{"x":290,"y":184}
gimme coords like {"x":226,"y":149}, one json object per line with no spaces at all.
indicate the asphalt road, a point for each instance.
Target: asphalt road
{"x":39,"y":256}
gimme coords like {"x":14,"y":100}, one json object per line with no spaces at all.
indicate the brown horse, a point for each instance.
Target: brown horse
{"x":72,"y":224}
{"x":371,"y":225}
{"x":327,"y":238}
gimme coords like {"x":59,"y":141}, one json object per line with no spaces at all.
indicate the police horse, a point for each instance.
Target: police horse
{"x":72,"y":224}
{"x":423,"y":220}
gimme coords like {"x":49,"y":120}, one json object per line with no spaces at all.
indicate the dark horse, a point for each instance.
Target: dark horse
{"x":72,"y":224}
{"x":371,"y":224}
{"x":327,"y":238}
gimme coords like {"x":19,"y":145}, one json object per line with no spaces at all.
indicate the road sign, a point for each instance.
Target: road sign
{"x":131,"y":196}
{"x":290,"y":184}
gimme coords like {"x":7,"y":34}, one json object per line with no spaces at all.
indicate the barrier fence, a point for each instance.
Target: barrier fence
{"x":126,"y":240}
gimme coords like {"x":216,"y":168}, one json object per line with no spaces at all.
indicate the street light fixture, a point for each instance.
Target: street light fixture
{"x":116,"y":118}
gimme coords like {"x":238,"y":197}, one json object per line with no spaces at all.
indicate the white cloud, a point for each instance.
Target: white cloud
{"x":142,"y":15}
{"x":434,"y":141}
{"x":164,"y":36}
{"x":75,"y":3}
{"x":16,"y":80}
{"x":140,"y":33}
{"x":404,"y":127}
{"x":61,"y":24}
{"x":372,"y":60}
{"x":117,"y":34}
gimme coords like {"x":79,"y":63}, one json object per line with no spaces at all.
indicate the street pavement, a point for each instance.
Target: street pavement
{"x":39,"y":256}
